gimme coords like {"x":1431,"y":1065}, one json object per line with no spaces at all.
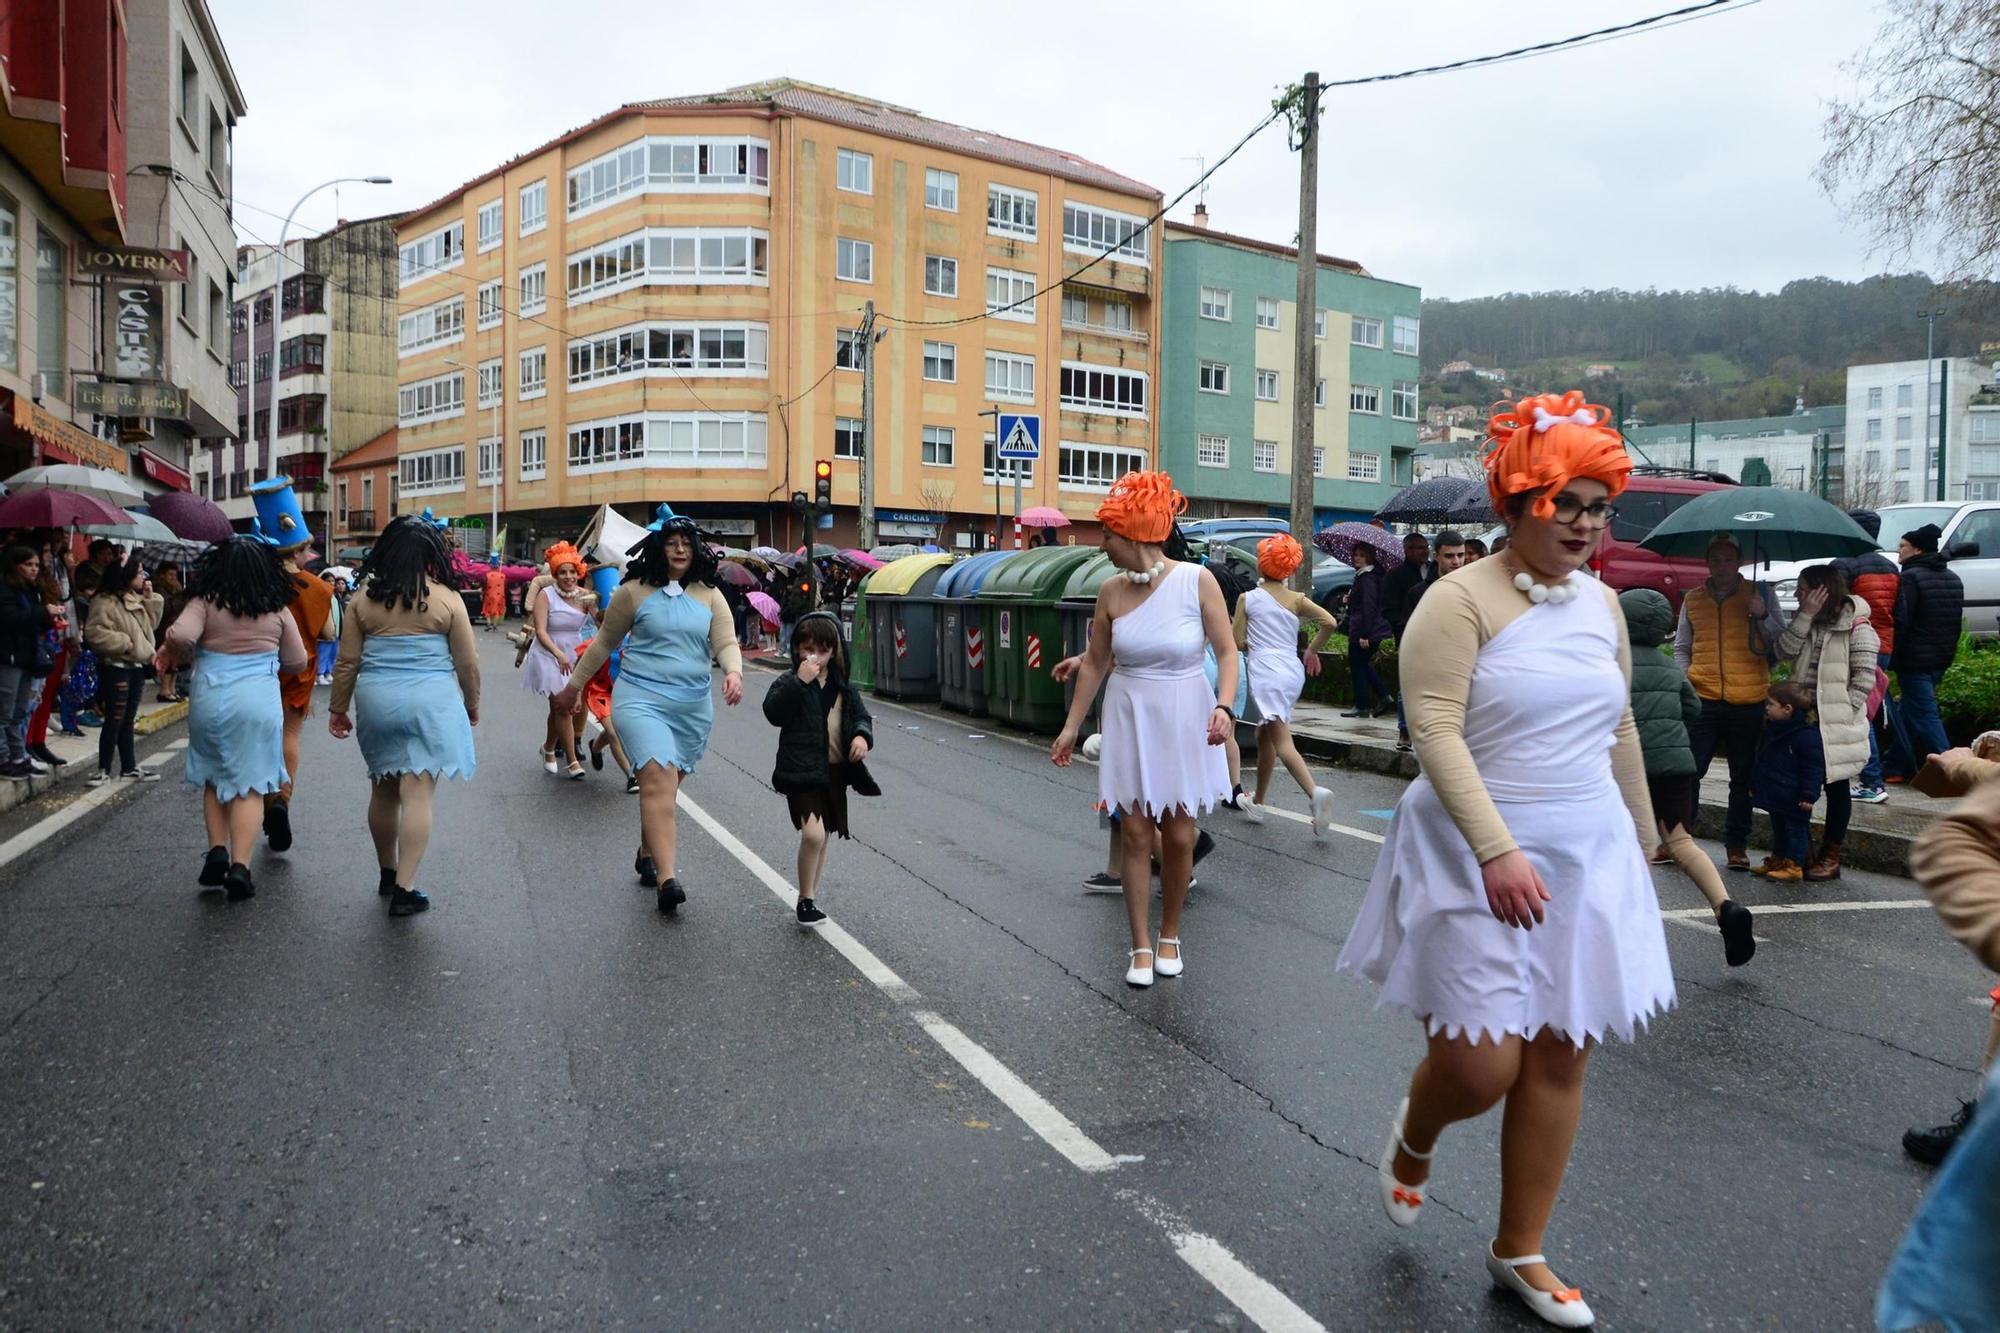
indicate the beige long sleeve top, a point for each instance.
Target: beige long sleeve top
{"x":122,"y":629}
{"x":443,"y":613}
{"x":1958,"y":865}
{"x":1456,"y":619}
{"x":1299,"y":604}
{"x":204,"y":625}
{"x":624,"y":608}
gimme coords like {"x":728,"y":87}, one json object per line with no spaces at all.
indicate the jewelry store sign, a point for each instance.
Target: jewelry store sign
{"x":118,"y":261}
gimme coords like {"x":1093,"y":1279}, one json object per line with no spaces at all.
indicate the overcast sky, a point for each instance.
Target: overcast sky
{"x":1678,"y":158}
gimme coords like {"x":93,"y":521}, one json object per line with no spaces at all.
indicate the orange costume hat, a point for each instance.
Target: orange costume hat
{"x":1541,"y":444}
{"x":1279,"y":557}
{"x":562,"y":553}
{"x":1142,"y":507}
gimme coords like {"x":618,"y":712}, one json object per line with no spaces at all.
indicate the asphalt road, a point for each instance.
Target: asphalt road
{"x":544,"y":1104}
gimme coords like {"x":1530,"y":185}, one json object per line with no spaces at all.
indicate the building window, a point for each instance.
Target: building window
{"x":190,"y":93}
{"x":1098,"y":230}
{"x":846,"y":349}
{"x":941,"y":362}
{"x":433,"y":399}
{"x":1117,"y":315}
{"x":431,"y":471}
{"x":855,"y":261}
{"x":534,"y":454}
{"x":534,"y":207}
{"x":735,"y":350}
{"x":534,"y":373}
{"x":1093,"y":467}
{"x":1319,"y":323}
{"x":847,"y":437}
{"x":1010,"y":212}
{"x":492,"y":386}
{"x":1211,"y":450}
{"x":1216,"y":303}
{"x":440,"y":250}
{"x":1010,"y":378}
{"x":1875,"y":399}
{"x":490,"y":308}
{"x":260,"y":367}
{"x":941,"y":189}
{"x":1076,"y":310}
{"x":940,"y":276}
{"x":669,"y":165}
{"x":492,"y":223}
{"x":304,"y":295}
{"x":1403,"y":335}
{"x":1403,"y":400}
{"x":1267,"y":312}
{"x":305,"y":354}
{"x":1319,"y":461}
{"x":1901,"y":494}
{"x":1902,"y":460}
{"x":854,"y":172}
{"x":490,"y":461}
{"x":1874,"y":429}
{"x":51,"y":308}
{"x":1365,"y":398}
{"x":1319,"y":393}
{"x":1010,"y":295}
{"x":1267,"y":386}
{"x":1905,"y":428}
{"x":940,"y":447}
{"x":1906,"y":395}
{"x":534,"y":283}
{"x":189,"y":301}
{"x":432,"y":326}
{"x":671,"y":256}
{"x":1367,"y":331}
{"x":1102,"y":389}
{"x":670,"y":439}
{"x":1364,"y":467}
{"x":1264,"y":455}
{"x":1214,"y":377}
{"x":994,"y":468}
{"x":218,"y":149}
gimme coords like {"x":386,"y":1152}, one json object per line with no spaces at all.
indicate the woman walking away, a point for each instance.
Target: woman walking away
{"x":1791,"y":771}
{"x":124,"y":619}
{"x":671,"y":619}
{"x":1267,"y":624}
{"x":24,"y":618}
{"x":409,"y":667}
{"x":1664,"y":706}
{"x":1367,"y":626}
{"x":824,"y":734}
{"x":239,"y":632}
{"x":556,"y":623}
{"x":1161,"y":764}
{"x":1533,"y":796}
{"x":1834,"y":648}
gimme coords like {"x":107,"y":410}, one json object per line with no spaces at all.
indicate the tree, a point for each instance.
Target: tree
{"x":1920,"y":143}
{"x":936,"y":497}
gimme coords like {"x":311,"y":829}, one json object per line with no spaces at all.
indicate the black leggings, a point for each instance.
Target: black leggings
{"x":124,"y":689}
{"x":1839,"y":810}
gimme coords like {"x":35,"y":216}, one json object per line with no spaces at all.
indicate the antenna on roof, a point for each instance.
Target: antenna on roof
{"x":1200,"y":199}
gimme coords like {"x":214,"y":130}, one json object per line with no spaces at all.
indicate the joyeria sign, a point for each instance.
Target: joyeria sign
{"x":134,"y":330}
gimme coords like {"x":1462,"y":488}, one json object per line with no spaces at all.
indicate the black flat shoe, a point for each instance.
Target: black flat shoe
{"x":47,"y":756}
{"x":809,"y":914}
{"x":236,"y":882}
{"x":408,"y":902}
{"x":597,"y":757}
{"x":213,"y":867}
{"x":278,"y":826}
{"x":1738,"y":944}
{"x":646,"y":870}
{"x":671,"y":896}
{"x":1203,"y":845}
{"x":388,"y":884}
{"x":1929,"y":1146}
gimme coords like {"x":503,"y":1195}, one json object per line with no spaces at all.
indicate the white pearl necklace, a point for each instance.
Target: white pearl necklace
{"x":1537,"y":593}
{"x":1146,"y":575}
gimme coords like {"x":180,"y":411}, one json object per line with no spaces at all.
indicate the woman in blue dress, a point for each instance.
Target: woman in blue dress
{"x":409,"y":667}
{"x":672,"y":609}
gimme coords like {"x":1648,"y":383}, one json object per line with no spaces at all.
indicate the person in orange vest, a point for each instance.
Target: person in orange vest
{"x":1727,"y":630}
{"x":282,"y":525}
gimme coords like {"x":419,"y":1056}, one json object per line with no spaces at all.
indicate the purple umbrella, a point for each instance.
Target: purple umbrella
{"x":731,"y":572}
{"x":56,"y":509}
{"x":1340,"y":540}
{"x":192,"y":517}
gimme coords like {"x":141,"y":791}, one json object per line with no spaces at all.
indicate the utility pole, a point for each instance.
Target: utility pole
{"x":865,"y":506}
{"x":1305,"y":368}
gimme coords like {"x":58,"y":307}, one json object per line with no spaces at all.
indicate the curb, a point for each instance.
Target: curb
{"x":160,"y":719}
{"x":15,"y":794}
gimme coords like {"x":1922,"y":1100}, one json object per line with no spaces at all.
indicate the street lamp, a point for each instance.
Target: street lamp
{"x":1930,"y":318}
{"x":492,"y":533}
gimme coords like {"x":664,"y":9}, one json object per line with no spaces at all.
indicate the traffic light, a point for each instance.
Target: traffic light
{"x":823,"y":486}
{"x":800,"y":502}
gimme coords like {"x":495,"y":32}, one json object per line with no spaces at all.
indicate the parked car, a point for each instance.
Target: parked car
{"x":1971,"y":541}
{"x":1235,"y":539}
{"x":1651,"y":495}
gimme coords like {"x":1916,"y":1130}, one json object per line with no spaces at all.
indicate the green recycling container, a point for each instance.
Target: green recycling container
{"x":860,"y":664}
{"x":1024,"y":635}
{"x":1077,"y":607}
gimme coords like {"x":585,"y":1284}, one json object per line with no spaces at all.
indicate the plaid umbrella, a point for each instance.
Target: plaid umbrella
{"x":1429,"y":501}
{"x":1340,"y":540}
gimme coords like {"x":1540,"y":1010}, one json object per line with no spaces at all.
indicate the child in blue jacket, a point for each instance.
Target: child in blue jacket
{"x":1790,"y":775}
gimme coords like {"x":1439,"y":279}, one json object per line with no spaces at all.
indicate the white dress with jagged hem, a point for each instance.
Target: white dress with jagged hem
{"x":1156,"y":757}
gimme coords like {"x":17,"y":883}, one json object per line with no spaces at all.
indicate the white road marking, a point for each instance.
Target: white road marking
{"x":40,"y":832}
{"x":1705,"y":916}
{"x":1265,"y":1305}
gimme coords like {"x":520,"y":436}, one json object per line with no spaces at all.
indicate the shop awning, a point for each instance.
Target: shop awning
{"x":160,"y":470}
{"x":63,"y":442}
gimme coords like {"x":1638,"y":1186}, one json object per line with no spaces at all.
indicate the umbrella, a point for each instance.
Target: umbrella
{"x":1041,"y":516}
{"x":765,"y":552}
{"x":96,"y":482}
{"x":767,"y":606}
{"x":56,"y":509}
{"x":192,"y":517}
{"x":930,"y":549}
{"x":1474,"y":509}
{"x":1428,"y":501}
{"x":1340,"y":540}
{"x":894,"y":551}
{"x":860,"y":559}
{"x":1768,"y":522}
{"x":792,"y":561}
{"x":731,"y":572}
{"x":141,"y":528}
{"x":820,"y":551}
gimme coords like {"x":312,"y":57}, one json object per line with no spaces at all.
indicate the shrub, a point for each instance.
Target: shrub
{"x":1969,"y":694}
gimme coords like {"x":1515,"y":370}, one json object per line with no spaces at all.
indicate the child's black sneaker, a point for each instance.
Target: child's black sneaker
{"x":236,"y":882}
{"x":387,"y":885}
{"x":809,"y":913}
{"x":408,"y":902}
{"x":278,"y":826}
{"x":213,"y":867}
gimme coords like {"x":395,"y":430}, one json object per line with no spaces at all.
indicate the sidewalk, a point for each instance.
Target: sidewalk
{"x":1879,"y":838}
{"x":82,"y":751}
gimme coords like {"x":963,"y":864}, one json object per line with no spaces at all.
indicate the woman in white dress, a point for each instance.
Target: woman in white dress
{"x":1267,"y":625}
{"x":1511,"y":910}
{"x":1161,"y":764}
{"x":555,"y":628}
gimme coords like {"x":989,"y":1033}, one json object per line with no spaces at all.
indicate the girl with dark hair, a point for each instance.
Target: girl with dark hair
{"x":824,"y":733}
{"x":677,"y":623}
{"x":409,"y":661}
{"x":24,"y":615}
{"x":1834,"y":648}
{"x":240,"y":635}
{"x":124,"y":621}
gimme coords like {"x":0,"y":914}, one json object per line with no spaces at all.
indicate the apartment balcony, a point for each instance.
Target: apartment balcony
{"x":1101,"y":329}
{"x":358,"y":520}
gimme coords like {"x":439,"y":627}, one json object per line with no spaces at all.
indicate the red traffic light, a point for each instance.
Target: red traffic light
{"x":823,"y":470}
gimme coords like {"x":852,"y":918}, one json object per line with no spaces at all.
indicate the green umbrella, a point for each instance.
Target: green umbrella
{"x":1765,"y":522}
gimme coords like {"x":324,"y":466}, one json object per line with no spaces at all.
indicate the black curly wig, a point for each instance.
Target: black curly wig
{"x":243,"y":577}
{"x":649,"y":555}
{"x":405,"y":560}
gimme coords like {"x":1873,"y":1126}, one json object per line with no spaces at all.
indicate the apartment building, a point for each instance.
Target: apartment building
{"x":1892,"y":442}
{"x":1799,"y":450}
{"x":364,"y":495}
{"x":1229,"y":363}
{"x":664,"y":305}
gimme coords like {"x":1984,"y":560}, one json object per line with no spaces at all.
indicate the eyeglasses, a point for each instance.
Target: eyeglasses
{"x":1569,"y":509}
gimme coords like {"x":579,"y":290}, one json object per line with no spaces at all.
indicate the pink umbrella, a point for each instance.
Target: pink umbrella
{"x":731,"y":572}
{"x":58,"y":509}
{"x":1041,"y":516}
{"x":767,"y":606}
{"x":860,"y":559}
{"x":1340,"y":540}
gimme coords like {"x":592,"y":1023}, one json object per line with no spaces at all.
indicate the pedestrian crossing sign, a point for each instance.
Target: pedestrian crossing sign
{"x":1020,"y":436}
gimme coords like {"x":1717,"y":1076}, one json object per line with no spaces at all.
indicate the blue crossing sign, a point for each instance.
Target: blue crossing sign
{"x":1020,"y":436}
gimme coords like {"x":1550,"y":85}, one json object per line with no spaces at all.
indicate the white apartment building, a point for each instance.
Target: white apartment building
{"x":1891,"y":455}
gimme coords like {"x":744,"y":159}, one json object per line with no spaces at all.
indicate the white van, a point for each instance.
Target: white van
{"x":1971,"y":542}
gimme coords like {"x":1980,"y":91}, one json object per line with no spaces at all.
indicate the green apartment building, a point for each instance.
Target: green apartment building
{"x":1227,"y":370}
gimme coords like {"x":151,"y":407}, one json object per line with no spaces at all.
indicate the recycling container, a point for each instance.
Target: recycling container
{"x":961,"y":633}
{"x":1023,"y":630}
{"x":887,"y":587}
{"x":1076,"y":609}
{"x":860,"y":661}
{"x":906,"y":665}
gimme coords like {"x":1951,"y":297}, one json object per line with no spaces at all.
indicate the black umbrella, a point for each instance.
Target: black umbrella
{"x":1476,"y":508}
{"x":1429,"y":501}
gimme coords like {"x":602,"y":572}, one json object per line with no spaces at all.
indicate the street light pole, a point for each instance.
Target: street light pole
{"x":994,"y":412}
{"x":1931,"y":444}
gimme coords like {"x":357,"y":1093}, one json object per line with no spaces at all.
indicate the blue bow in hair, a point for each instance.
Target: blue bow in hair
{"x":664,"y":515}
{"x":439,"y":523}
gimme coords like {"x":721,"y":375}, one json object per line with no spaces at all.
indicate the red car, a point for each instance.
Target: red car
{"x":1652,"y":494}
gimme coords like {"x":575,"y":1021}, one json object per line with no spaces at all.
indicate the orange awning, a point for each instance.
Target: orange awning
{"x":74,"y":441}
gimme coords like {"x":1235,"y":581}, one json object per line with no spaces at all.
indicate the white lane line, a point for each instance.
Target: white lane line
{"x":40,"y":832}
{"x":1705,"y":916}
{"x":1262,"y":1303}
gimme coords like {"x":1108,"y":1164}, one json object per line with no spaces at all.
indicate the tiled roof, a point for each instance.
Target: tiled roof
{"x":1186,"y":231}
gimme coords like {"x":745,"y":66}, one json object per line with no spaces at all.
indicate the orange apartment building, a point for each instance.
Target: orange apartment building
{"x":364,"y":494}
{"x":664,"y":305}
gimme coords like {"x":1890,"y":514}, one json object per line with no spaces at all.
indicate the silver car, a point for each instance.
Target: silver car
{"x":1971,"y":542}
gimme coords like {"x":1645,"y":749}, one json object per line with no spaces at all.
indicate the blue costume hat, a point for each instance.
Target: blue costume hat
{"x":280,"y":522}
{"x":493,"y":559}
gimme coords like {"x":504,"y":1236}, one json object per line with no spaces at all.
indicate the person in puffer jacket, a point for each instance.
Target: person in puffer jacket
{"x":1930,"y":612}
{"x":1875,"y":579}
{"x":1833,"y":649}
{"x":1663,"y":707}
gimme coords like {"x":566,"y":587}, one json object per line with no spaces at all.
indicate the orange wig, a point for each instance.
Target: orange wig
{"x":1279,"y":557}
{"x":1142,"y":507}
{"x":562,"y":553}
{"x":1541,"y":444}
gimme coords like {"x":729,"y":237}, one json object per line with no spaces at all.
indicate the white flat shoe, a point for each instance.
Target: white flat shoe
{"x":576,"y":772}
{"x":1322,"y":811}
{"x":1402,"y":1202}
{"x":1136,"y":975}
{"x":1170,"y":967}
{"x":1252,"y":811}
{"x":549,"y":761}
{"x":1564,"y":1309}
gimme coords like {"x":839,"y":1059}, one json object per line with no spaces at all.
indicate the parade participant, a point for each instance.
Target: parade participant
{"x":1161,"y":764}
{"x":1833,"y":649}
{"x":1234,"y":583}
{"x":1791,"y":770}
{"x":524,"y":638}
{"x":671,"y":619}
{"x":409,"y":667}
{"x":556,"y":620}
{"x":1367,"y":625}
{"x":1533,"y":796}
{"x":241,"y":635}
{"x":124,"y":622}
{"x":824,"y":733}
{"x":1664,"y":706}
{"x":493,"y":606}
{"x":597,"y":703}
{"x":1267,"y":625}
{"x":282,"y":523}
{"x":1930,"y":614}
